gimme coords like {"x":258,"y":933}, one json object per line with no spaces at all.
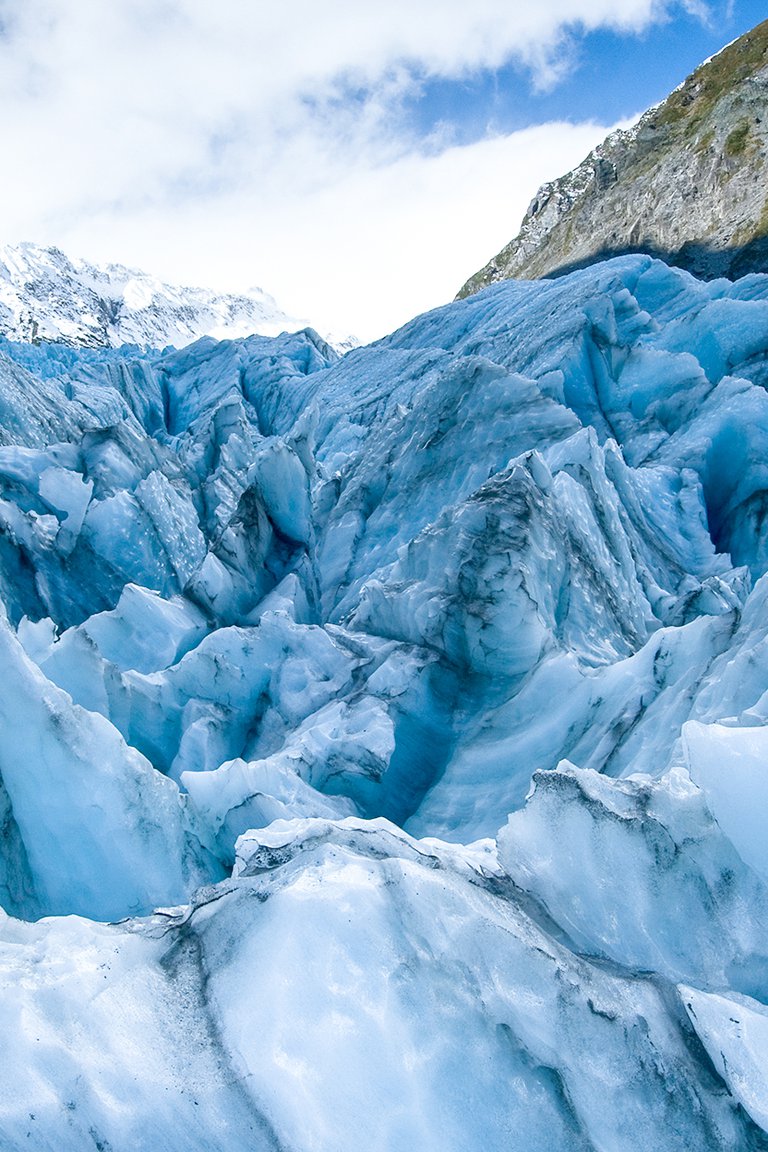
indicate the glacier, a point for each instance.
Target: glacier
{"x":383,"y":736}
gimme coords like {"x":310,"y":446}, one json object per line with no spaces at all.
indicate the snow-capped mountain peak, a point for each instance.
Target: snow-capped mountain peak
{"x":46,"y":295}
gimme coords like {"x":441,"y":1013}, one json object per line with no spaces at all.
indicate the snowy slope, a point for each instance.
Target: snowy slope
{"x":423,"y":691}
{"x":46,"y":296}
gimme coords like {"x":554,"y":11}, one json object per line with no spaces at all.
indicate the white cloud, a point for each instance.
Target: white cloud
{"x":367,"y":248}
{"x":209,"y":138}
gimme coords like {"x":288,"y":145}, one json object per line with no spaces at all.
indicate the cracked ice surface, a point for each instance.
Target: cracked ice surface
{"x":289,"y":639}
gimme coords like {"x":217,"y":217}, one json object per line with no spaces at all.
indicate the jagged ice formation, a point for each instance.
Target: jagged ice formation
{"x":288,"y":639}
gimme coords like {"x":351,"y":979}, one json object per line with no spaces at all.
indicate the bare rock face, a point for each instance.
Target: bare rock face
{"x":687,"y":183}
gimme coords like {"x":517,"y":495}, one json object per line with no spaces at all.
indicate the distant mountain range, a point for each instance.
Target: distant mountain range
{"x":687,"y":183}
{"x":45,"y":295}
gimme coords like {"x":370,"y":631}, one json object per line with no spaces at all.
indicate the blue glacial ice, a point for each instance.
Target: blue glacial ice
{"x":381,"y":737}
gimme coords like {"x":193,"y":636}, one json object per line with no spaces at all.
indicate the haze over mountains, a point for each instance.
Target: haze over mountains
{"x":383,"y":737}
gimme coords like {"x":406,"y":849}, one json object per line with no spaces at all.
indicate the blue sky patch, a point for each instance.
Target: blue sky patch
{"x":612,"y":76}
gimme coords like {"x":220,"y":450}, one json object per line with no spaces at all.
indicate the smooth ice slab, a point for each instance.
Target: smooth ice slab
{"x":730,"y":765}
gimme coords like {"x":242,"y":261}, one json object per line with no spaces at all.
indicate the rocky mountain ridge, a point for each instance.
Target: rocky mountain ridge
{"x":685,"y":184}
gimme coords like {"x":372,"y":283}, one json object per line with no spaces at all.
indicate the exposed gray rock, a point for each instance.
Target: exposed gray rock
{"x":686,"y":184}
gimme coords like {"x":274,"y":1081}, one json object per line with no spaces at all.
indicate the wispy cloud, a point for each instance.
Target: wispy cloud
{"x":143,"y":114}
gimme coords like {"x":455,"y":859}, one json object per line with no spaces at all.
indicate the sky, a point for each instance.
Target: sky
{"x":357,"y":160}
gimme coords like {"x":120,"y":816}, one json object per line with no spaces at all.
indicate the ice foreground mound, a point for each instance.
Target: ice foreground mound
{"x":286,"y":640}
{"x":353,"y":988}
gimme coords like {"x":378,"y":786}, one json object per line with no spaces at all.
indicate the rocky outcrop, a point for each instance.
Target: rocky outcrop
{"x":686,"y":184}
